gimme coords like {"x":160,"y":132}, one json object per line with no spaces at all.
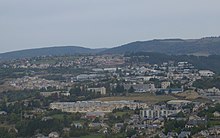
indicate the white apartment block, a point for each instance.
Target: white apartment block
{"x":157,"y":113}
{"x":101,"y":90}
{"x":206,"y":73}
{"x":95,"y":106}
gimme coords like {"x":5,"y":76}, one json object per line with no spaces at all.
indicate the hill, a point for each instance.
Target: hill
{"x":204,"y":46}
{"x":210,"y":62}
{"x":50,"y":51}
{"x":199,"y":47}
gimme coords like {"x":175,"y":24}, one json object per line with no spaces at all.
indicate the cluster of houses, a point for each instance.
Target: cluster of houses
{"x":166,"y":78}
{"x":141,"y":77}
{"x":31,"y":83}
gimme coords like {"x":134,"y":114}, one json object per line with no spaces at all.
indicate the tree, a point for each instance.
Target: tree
{"x":131,"y":132}
{"x":4,"y":133}
{"x":96,"y":120}
{"x":119,"y":88}
{"x":131,"y":89}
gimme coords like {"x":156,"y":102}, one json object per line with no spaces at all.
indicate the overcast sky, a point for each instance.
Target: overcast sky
{"x":103,"y":23}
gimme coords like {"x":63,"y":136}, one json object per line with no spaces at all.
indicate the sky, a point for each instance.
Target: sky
{"x":26,"y":24}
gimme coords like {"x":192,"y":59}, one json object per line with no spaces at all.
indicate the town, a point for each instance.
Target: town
{"x":108,"y":95}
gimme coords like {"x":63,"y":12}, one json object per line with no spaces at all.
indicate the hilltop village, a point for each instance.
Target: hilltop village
{"x":108,"y":96}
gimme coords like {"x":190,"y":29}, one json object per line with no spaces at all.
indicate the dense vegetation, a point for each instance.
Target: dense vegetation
{"x":208,"y":46}
{"x":51,"y":51}
{"x":201,"y":62}
{"x":206,"y":83}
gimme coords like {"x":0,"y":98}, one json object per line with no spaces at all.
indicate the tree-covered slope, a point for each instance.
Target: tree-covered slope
{"x":204,"y":46}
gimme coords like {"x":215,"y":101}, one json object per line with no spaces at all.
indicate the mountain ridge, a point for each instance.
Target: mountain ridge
{"x":48,"y":51}
{"x":208,"y":45}
{"x":199,"y":47}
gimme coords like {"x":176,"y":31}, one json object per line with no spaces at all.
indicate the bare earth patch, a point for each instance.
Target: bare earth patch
{"x":189,"y":95}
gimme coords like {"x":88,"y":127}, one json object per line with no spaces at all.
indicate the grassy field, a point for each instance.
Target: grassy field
{"x":58,"y":116}
{"x":123,"y":113}
{"x":145,"y":97}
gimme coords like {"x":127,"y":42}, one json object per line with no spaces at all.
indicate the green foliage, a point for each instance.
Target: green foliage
{"x":5,"y":133}
{"x":78,"y":132}
{"x":65,"y":70}
{"x":55,"y":77}
{"x":156,"y":82}
{"x":212,"y":123}
{"x":12,"y":73}
{"x":51,"y":51}
{"x":195,"y":130}
{"x":174,"y":126}
{"x":19,"y":95}
{"x":180,"y":114}
{"x":131,"y":89}
{"x":206,"y":83}
{"x":201,"y":62}
{"x":28,"y":128}
{"x":175,"y":84}
{"x":131,"y":132}
{"x":118,"y":89}
{"x":209,"y":112}
{"x":189,"y":106}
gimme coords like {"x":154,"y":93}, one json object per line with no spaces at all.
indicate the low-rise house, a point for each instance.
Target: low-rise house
{"x":178,"y":102}
{"x":202,"y":134}
{"x":40,"y":136}
{"x":195,"y":121}
{"x":117,"y":127}
{"x":37,"y":111}
{"x":206,"y":73}
{"x":3,"y":113}
{"x":184,"y":134}
{"x":172,"y":90}
{"x":93,"y":115}
{"x":140,"y":126}
{"x":141,"y":87}
{"x":29,"y":116}
{"x":216,"y":114}
{"x":212,"y":92}
{"x":97,"y":125}
{"x":165,"y":84}
{"x":65,"y":93}
{"x":53,"y":135}
{"x":78,"y":125}
{"x":172,"y":134}
{"x":214,"y":131}
{"x":66,"y":129}
{"x":110,"y":69}
{"x":58,"y":93}
{"x":46,"y":118}
{"x":84,"y":77}
{"x":162,"y":135}
{"x":159,"y":122}
{"x":151,"y":129}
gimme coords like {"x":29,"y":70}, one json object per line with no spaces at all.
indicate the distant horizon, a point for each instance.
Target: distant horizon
{"x":54,"y":46}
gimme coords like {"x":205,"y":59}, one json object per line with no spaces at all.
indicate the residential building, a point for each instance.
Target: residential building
{"x":165,"y":84}
{"x":101,"y":90}
{"x":206,"y":73}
